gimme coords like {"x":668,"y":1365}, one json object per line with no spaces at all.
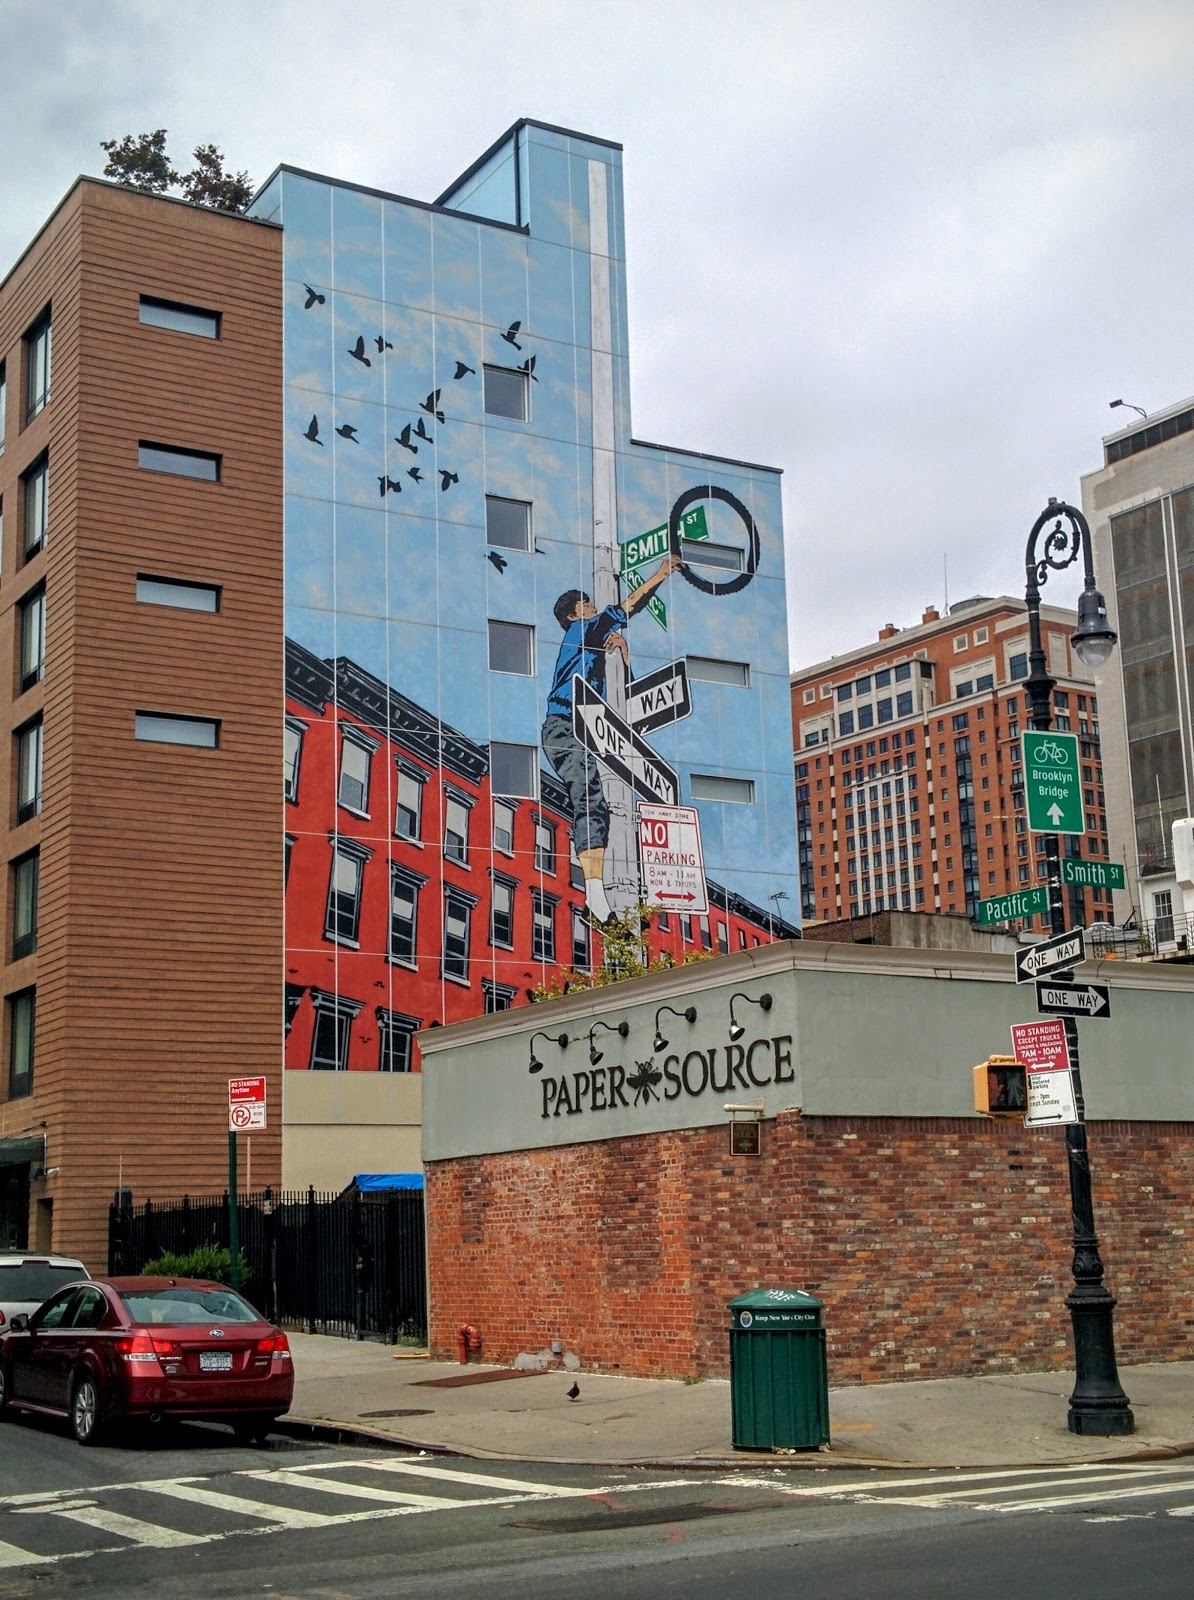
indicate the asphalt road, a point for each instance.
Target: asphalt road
{"x":193,"y":1514}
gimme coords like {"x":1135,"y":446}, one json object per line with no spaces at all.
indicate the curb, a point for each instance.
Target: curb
{"x":813,"y":1460}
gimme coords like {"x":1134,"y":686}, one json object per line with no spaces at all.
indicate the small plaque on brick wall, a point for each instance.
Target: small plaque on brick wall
{"x":746,"y":1138}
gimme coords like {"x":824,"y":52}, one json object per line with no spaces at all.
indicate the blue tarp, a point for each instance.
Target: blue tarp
{"x":365,"y":1181}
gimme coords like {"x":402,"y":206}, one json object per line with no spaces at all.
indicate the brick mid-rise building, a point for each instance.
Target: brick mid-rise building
{"x":141,"y":613}
{"x":909,"y":787}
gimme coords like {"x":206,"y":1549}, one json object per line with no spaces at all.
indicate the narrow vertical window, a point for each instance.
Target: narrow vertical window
{"x":24,"y":906}
{"x":458,"y":909}
{"x":356,"y":757}
{"x":543,"y":926}
{"x":404,"y":914}
{"x":21,"y":1024}
{"x":396,"y":1033}
{"x":545,"y":846}
{"x":29,"y":771}
{"x":582,"y":941}
{"x":37,"y":366}
{"x":333,"y":1031}
{"x":292,"y":758}
{"x":456,"y":812}
{"x":3,"y":403}
{"x":33,"y":639}
{"x":503,"y":826}
{"x":501,"y":923}
{"x":343,"y":916}
{"x":408,"y":808}
{"x":35,"y":487}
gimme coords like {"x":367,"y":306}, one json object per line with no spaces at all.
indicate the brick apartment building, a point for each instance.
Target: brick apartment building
{"x":909,"y":792}
{"x":141,"y":613}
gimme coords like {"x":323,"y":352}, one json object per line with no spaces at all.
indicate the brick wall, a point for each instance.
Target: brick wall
{"x":940,"y":1248}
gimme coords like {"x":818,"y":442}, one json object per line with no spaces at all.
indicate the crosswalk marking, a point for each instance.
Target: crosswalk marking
{"x":11,"y":1555}
{"x":855,"y":1486}
{"x":151,"y":1534}
{"x":356,"y":1491}
{"x":282,"y":1516}
{"x":416,"y":1469}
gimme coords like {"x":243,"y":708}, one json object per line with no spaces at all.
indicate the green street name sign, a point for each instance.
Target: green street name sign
{"x":1052,"y":782}
{"x":654,"y":605}
{"x":1092,"y":874}
{"x":1007,"y":907}
{"x":646,"y":548}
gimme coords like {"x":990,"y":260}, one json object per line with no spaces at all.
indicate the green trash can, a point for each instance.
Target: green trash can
{"x":779,"y":1384}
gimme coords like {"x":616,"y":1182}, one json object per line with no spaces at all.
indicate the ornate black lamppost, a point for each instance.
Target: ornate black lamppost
{"x":1098,"y":1404}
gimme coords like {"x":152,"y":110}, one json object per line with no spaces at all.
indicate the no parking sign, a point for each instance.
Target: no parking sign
{"x":246,"y":1105}
{"x":669,"y":848}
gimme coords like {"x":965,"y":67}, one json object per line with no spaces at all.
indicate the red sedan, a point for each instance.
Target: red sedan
{"x":117,"y":1348}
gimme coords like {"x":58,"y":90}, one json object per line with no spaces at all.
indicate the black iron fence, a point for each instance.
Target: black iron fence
{"x":350,"y":1264}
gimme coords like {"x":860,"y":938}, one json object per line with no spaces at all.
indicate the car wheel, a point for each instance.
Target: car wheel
{"x":253,"y":1430}
{"x":3,"y":1391}
{"x":85,"y":1411}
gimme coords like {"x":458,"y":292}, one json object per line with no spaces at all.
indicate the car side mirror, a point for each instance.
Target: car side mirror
{"x":19,"y":1323}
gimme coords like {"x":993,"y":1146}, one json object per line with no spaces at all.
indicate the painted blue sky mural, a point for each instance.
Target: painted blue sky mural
{"x":459,"y":456}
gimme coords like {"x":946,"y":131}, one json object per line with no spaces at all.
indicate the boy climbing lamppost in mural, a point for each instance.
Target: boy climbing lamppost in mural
{"x":589,"y":635}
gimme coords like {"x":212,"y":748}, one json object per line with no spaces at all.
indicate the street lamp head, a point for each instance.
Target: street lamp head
{"x":1094,"y":637}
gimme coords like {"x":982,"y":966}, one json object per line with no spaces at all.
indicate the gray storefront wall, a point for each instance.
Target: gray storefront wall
{"x":852,"y":1030}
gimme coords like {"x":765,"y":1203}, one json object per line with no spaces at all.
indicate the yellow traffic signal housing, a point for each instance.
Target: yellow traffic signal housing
{"x":1001,"y":1089}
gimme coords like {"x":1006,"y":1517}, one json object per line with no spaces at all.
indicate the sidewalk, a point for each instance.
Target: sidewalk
{"x":370,"y":1391}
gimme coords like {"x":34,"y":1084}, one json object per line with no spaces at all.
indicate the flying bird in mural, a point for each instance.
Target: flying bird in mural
{"x":462,"y":371}
{"x":510,"y":335}
{"x":446,"y":479}
{"x":358,"y":351}
{"x":431,"y":406}
{"x":382,"y":344}
{"x":499,"y":562}
{"x":312,"y":432}
{"x":403,"y":439}
{"x":346,"y":430}
{"x":413,"y":472}
{"x":421,"y":432}
{"x":539,"y":551}
{"x":384,"y":483}
{"x":314,"y":298}
{"x":528,"y":366}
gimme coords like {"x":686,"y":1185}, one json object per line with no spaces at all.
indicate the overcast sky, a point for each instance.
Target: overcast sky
{"x":906,"y":251}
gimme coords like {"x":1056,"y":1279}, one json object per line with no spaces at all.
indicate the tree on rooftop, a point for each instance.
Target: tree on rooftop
{"x":141,"y":161}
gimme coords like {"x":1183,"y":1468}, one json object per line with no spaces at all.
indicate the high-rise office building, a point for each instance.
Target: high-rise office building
{"x":1140,"y":506}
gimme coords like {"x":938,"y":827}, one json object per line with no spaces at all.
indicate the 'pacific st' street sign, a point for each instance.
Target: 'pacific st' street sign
{"x":1073,"y":999}
{"x":658,"y":698}
{"x":1052,"y":782}
{"x":1007,"y":907}
{"x":601,"y":731}
{"x":1092,"y":874}
{"x":1062,"y":951}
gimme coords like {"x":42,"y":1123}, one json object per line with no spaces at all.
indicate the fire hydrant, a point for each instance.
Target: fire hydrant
{"x":467,"y":1338}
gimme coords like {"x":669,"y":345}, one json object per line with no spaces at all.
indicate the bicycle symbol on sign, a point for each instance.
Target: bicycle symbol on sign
{"x":1049,"y":750}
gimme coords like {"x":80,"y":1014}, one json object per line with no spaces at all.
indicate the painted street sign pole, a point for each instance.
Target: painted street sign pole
{"x":1042,"y":1049}
{"x":1052,"y":782}
{"x":614,"y":742}
{"x":1092,"y":874}
{"x":673,"y":871}
{"x":1073,"y":999}
{"x":1007,"y":907}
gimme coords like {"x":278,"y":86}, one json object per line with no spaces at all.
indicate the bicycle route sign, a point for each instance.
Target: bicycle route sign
{"x":1053,"y":782}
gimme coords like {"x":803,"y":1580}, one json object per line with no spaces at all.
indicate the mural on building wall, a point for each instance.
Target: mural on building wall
{"x":510,"y":625}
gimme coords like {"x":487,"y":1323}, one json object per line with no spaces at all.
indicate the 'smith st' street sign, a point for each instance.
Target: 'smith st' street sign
{"x":1062,"y":951}
{"x":1073,"y":999}
{"x":599,"y":728}
{"x":1094,"y":874}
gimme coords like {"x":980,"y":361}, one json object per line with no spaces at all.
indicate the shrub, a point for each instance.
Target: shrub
{"x":211,"y":1261}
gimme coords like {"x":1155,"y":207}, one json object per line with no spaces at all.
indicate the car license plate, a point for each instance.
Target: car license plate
{"x":215,"y":1361}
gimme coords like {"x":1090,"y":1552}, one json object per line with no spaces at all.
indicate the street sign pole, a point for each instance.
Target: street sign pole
{"x":1098,"y":1404}
{"x":233,"y":1219}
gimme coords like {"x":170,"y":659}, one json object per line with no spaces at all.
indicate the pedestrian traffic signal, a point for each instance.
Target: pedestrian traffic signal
{"x":1001,"y":1089}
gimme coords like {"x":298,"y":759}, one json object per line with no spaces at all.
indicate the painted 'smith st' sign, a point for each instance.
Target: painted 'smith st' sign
{"x":719,"y":1069}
